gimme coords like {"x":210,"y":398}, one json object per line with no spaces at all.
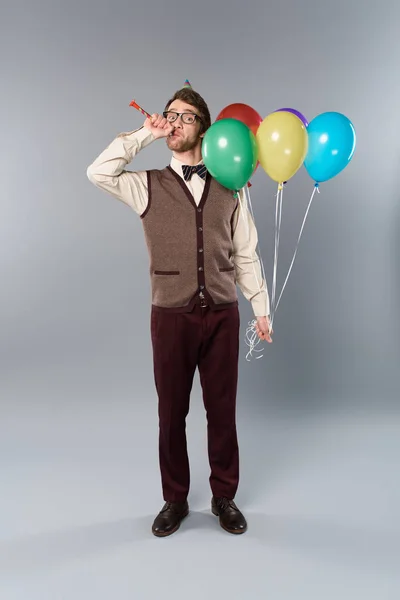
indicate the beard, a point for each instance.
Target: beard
{"x":179,"y":144}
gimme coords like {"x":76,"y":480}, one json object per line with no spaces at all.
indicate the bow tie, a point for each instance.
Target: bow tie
{"x":188,"y":171}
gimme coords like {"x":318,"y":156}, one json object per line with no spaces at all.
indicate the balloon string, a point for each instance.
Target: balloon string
{"x":252,"y":338}
{"x":248,"y":241}
{"x":247,"y":192}
{"x":278,"y":221}
{"x":316,"y":189}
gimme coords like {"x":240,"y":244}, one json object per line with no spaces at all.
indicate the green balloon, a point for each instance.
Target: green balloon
{"x":229,"y":152}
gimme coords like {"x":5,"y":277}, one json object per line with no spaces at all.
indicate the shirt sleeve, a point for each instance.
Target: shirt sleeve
{"x":108,"y":171}
{"x":246,"y":260}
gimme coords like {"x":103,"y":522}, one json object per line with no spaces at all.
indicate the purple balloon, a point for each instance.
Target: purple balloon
{"x":295,"y":112}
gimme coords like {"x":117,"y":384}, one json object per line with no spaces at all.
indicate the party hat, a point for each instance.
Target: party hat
{"x":187,"y":84}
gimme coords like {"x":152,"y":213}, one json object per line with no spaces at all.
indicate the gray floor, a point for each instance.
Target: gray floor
{"x":80,"y":488}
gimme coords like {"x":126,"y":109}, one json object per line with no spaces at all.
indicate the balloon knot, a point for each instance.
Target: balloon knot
{"x":316,"y":185}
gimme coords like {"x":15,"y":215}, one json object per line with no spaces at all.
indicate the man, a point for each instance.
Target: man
{"x":200,"y":246}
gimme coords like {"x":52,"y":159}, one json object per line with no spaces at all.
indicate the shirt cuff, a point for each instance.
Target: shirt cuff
{"x":260,"y":305}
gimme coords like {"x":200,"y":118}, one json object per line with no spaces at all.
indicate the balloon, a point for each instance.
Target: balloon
{"x":229,"y":152}
{"x":295,"y":112}
{"x":242,"y":112}
{"x":331,"y":145}
{"x":282,"y":145}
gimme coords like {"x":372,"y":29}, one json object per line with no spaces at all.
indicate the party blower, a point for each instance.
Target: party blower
{"x":139,"y":108}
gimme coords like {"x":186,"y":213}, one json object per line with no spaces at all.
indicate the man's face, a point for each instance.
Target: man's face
{"x":185,"y":136}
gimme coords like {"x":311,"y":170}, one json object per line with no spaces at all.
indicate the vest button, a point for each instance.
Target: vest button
{"x":200,"y":268}
{"x":202,"y":287}
{"x":200,"y":249}
{"x":200,"y":229}
{"x":199,"y":210}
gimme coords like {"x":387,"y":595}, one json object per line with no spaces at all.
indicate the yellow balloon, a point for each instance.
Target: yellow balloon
{"x":282,"y":142}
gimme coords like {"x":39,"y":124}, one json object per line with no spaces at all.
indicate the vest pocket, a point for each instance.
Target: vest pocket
{"x":225,"y":270}
{"x":166,"y":272}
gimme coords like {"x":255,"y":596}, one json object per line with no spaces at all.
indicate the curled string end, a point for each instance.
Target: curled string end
{"x":252,"y":339}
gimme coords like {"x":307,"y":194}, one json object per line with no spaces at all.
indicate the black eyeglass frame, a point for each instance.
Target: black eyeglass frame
{"x":165,"y":113}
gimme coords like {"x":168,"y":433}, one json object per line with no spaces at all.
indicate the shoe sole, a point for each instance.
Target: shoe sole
{"x":234,"y":531}
{"x":167,"y":533}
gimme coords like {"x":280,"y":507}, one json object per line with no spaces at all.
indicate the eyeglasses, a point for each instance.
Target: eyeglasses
{"x":187,"y":117}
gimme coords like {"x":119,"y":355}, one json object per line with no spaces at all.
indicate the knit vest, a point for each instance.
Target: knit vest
{"x":190,"y":246}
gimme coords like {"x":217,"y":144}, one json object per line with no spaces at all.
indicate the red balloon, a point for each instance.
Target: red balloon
{"x":244,"y":113}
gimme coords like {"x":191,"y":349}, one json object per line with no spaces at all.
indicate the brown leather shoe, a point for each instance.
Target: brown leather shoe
{"x":230,"y":517}
{"x":169,"y":518}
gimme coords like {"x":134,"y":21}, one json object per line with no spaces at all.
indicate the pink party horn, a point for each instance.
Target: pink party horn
{"x":139,"y":108}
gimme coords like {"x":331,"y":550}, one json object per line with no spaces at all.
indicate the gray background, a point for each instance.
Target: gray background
{"x":318,"y":414}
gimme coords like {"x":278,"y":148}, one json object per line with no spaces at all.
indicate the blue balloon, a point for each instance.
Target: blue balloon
{"x":331,"y":145}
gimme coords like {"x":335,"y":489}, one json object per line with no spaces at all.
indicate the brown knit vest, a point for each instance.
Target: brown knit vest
{"x":190,"y":246}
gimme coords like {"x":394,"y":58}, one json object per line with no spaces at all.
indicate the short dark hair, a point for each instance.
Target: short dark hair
{"x":193,"y":98}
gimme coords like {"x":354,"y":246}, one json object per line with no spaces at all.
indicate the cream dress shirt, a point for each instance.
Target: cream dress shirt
{"x":108,"y":172}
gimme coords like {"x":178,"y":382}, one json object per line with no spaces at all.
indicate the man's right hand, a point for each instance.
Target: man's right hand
{"x":158,"y":125}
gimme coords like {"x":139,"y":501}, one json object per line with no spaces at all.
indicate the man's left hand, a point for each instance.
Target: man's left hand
{"x":264,"y":329}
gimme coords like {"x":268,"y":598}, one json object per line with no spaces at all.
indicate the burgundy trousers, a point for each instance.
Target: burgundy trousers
{"x":208,"y":340}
